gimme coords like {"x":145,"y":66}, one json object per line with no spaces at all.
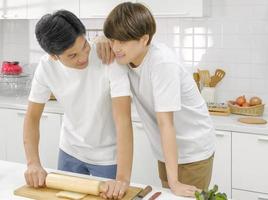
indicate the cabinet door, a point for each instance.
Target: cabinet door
{"x":245,"y":195}
{"x":49,"y":137}
{"x":177,"y":8}
{"x":250,"y":162}
{"x":221,"y":174}
{"x":99,"y":8}
{"x":13,"y":9}
{"x":2,"y":134}
{"x":144,"y":168}
{"x":37,"y":8}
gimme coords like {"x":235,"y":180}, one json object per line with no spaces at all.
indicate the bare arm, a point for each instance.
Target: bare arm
{"x":35,"y":174}
{"x":122,"y":118}
{"x":169,"y":145}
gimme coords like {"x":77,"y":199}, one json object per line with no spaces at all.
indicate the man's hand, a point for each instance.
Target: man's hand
{"x":181,"y":189}
{"x":113,"y":189}
{"x":35,"y":175}
{"x":104,"y":50}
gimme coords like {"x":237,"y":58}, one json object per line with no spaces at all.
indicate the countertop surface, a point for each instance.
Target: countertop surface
{"x":226,"y":123}
{"x":12,"y":177}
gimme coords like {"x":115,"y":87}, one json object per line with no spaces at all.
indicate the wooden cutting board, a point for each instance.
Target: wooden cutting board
{"x":252,"y":120}
{"x":50,"y":194}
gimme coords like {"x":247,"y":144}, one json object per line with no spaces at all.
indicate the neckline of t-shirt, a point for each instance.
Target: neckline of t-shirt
{"x":146,"y":57}
{"x":84,"y":69}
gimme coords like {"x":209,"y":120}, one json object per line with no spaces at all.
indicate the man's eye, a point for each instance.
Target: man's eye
{"x":73,"y":56}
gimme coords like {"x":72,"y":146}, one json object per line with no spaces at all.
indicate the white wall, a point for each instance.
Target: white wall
{"x":234,"y":38}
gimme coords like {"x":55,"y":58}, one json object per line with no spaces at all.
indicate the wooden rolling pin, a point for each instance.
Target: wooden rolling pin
{"x":73,"y":184}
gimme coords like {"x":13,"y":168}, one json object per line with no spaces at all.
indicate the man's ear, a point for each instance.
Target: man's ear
{"x":145,"y":38}
{"x":54,"y":57}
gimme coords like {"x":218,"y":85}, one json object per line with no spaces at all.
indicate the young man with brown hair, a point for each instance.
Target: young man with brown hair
{"x":171,"y":109}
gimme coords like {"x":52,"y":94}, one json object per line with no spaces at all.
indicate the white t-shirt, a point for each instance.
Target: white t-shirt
{"x":88,"y":131}
{"x":161,"y":84}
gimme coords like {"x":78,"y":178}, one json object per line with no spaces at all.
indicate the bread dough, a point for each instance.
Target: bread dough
{"x":70,"y":195}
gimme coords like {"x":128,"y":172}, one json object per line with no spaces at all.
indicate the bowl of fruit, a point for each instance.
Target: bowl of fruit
{"x":11,"y":68}
{"x":251,"y":107}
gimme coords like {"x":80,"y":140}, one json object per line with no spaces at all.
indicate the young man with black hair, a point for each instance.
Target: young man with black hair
{"x":171,"y":109}
{"x":96,"y":103}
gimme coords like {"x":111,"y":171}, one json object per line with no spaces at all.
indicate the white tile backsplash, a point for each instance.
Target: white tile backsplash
{"x":234,"y":37}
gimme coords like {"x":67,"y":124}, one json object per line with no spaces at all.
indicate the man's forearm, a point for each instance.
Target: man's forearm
{"x":31,"y":140}
{"x":124,"y":150}
{"x":168,"y":137}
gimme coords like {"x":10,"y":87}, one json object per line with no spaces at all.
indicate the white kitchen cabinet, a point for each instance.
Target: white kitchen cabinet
{"x":178,"y":8}
{"x":221,"y":174}
{"x":245,"y":195}
{"x":13,"y":9}
{"x":250,"y":162}
{"x":144,"y":168}
{"x":37,"y":8}
{"x":2,"y":136}
{"x":13,"y":130}
{"x":97,"y":8}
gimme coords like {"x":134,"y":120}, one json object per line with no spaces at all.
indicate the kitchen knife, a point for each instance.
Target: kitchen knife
{"x":143,"y":193}
{"x":154,"y":196}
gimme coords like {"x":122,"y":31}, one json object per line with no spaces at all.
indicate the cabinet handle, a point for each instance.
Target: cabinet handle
{"x":220,"y":134}
{"x":262,"y":198}
{"x":265,"y":139}
{"x":24,"y":113}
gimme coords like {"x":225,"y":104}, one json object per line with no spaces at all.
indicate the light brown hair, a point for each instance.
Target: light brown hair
{"x":129,"y":21}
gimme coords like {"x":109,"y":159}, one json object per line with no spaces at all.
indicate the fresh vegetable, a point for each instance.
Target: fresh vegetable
{"x":255,"y":101}
{"x":211,"y":195}
{"x":246,"y":104}
{"x":240,"y":100}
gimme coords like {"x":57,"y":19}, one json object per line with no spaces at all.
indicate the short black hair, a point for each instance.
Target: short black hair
{"x":58,"y":31}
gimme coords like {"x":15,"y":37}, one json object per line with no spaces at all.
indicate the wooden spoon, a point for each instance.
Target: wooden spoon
{"x":204,"y":77}
{"x":215,"y":79}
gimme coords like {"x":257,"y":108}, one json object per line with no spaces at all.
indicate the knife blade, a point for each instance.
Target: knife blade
{"x":143,"y":193}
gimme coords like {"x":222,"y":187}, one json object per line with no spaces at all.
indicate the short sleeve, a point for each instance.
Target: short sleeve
{"x":166,"y":87}
{"x":119,"y":81}
{"x":40,"y":91}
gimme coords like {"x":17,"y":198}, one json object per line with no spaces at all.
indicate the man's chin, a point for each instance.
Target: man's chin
{"x":121,"y":61}
{"x":82,"y":66}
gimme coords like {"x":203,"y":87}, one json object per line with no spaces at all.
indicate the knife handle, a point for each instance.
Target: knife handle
{"x":145,"y":191}
{"x":154,"y":196}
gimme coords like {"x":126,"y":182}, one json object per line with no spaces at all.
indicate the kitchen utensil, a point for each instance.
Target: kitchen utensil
{"x":204,"y":77}
{"x":252,"y":120}
{"x":15,"y":85}
{"x":155,"y":195}
{"x":197,"y":79}
{"x":208,"y":93}
{"x":217,"y":77}
{"x":66,"y":183}
{"x":143,"y":193}
{"x":76,"y":184}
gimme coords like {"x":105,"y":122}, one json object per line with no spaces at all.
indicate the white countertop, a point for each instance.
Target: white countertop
{"x":21,"y":103}
{"x":12,"y":177}
{"x":227,"y":123}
